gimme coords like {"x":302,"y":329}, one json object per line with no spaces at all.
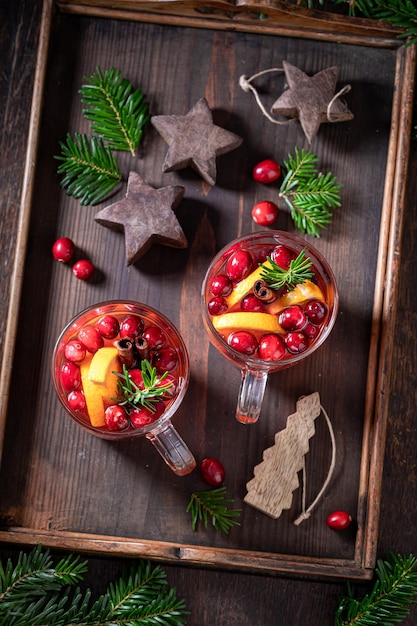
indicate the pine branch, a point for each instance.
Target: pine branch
{"x":212,"y":506}
{"x":90,"y":170}
{"x":118,"y":112}
{"x":394,"y":590}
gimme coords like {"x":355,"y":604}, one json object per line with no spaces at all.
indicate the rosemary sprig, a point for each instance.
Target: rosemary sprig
{"x":298,"y":272}
{"x":153,"y":387}
{"x":388,"y":602}
{"x":310,"y":195}
{"x":90,"y":170}
{"x":212,"y":506}
{"x":117,"y":110}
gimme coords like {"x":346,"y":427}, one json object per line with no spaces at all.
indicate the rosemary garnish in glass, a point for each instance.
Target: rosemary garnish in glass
{"x":298,"y":272}
{"x":153,"y":387}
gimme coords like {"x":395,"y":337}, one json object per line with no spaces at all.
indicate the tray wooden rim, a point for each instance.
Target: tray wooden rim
{"x":376,"y":411}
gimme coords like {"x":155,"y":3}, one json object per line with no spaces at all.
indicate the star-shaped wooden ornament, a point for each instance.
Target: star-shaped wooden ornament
{"x":194,"y":140}
{"x":311,"y":99}
{"x":146,"y":216}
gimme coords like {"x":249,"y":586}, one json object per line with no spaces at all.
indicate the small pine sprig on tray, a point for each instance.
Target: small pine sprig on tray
{"x":90,"y":171}
{"x":117,"y":110}
{"x":36,"y":592}
{"x":310,"y":195}
{"x":388,"y":603}
{"x":212,"y":505}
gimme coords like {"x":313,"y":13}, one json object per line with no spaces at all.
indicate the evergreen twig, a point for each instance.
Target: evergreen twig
{"x":212,"y":506}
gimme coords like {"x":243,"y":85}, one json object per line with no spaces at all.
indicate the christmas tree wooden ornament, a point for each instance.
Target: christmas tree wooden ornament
{"x":194,"y":140}
{"x":146,"y":216}
{"x":276,"y":477}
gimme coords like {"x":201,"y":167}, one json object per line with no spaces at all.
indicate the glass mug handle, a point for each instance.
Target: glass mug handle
{"x":251,"y":393}
{"x":173,"y":449}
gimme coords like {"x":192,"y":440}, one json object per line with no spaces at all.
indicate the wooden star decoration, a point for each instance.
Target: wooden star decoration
{"x":146,"y":216}
{"x":194,"y":140}
{"x":308,"y":99}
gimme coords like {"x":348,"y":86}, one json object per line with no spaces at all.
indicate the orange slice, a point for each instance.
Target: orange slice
{"x":93,"y":397}
{"x":104,"y":362}
{"x":264,"y":322}
{"x":240,"y":290}
{"x":301,"y":293}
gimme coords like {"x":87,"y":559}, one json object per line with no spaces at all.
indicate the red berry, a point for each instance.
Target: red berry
{"x":115,"y":418}
{"x":265,"y":213}
{"x":108,"y":326}
{"x":76,"y":400}
{"x":74,"y":351}
{"x":338,"y":520}
{"x":221,"y":285}
{"x":91,"y":338}
{"x":311,"y":330}
{"x":266,"y":171}
{"x":252,"y":304}
{"x":292,"y":318}
{"x":217,"y":305}
{"x":239,"y":265}
{"x":141,"y":416}
{"x":212,"y":471}
{"x":83,"y":269}
{"x":296,"y":342}
{"x":271,"y":347}
{"x":316,"y":311}
{"x":136,"y":376}
{"x":155,"y":337}
{"x":282,"y":256}
{"x":63,"y":249}
{"x":243,"y":341}
{"x":171,"y":383}
{"x":70,"y":376}
{"x":165,"y":360}
{"x":131,"y":327}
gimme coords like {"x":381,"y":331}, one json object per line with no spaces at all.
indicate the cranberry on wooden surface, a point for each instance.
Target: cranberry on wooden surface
{"x":265,"y":213}
{"x":267,"y":171}
{"x":339,"y":520}
{"x":63,"y":249}
{"x":212,"y":471}
{"x":83,"y":269}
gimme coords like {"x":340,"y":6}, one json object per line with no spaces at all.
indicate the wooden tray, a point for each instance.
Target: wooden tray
{"x":66,"y":489}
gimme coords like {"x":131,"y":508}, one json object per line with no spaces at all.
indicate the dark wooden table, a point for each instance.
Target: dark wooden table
{"x":218,"y":597}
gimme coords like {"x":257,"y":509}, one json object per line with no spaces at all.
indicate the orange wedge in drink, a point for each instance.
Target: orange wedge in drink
{"x":240,"y":290}
{"x":246,"y":320}
{"x":301,"y":293}
{"x":99,"y":382}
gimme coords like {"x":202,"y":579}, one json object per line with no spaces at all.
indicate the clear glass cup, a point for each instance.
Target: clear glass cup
{"x":254,"y":369}
{"x":161,"y":432}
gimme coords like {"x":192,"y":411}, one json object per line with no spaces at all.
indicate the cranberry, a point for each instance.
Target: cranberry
{"x":76,"y":400}
{"x":108,"y":326}
{"x":136,"y":376}
{"x":316,"y":311}
{"x":296,"y":342}
{"x":271,"y":347}
{"x":212,"y":471}
{"x":63,"y":249}
{"x":221,"y":285}
{"x":243,"y":341}
{"x":91,"y":338}
{"x":311,"y":330}
{"x":239,"y":265}
{"x":265,"y":213}
{"x":266,"y":171}
{"x":171,"y":383}
{"x":292,"y":318}
{"x":83,"y":269}
{"x":282,"y":256}
{"x":338,"y":520}
{"x":74,"y":351}
{"x":70,"y":376}
{"x":165,"y":360}
{"x":252,"y":304}
{"x":131,"y":327}
{"x":217,"y":305}
{"x":142,"y":416}
{"x":116,"y":418}
{"x":155,"y":337}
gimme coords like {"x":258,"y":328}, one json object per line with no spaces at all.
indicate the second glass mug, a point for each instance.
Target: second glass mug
{"x":161,"y":432}
{"x":217,"y":301}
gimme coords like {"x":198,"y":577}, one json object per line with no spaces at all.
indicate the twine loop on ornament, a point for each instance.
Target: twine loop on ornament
{"x":306,"y":512}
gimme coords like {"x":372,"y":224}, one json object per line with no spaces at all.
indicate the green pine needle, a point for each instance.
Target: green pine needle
{"x":298,"y":272}
{"x":388,"y":603}
{"x":89,"y":170}
{"x":212,"y":505}
{"x":117,"y":110}
{"x":310,"y":195}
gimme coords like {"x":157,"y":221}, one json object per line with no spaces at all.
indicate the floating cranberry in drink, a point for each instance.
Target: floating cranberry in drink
{"x":276,"y":305}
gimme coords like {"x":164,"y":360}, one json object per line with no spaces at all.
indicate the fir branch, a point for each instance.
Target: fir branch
{"x":310,"y":195}
{"x":90,"y":170}
{"x":212,"y":506}
{"x":118,"y":112}
{"x":394,"y":590}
